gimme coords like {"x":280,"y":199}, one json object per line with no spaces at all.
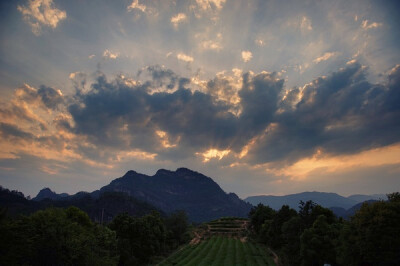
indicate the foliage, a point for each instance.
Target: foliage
{"x":317,"y":244}
{"x":258,"y":215}
{"x":142,"y":238}
{"x":56,"y":236}
{"x":374,"y":232}
{"x":68,"y":237}
{"x":314,"y":236}
{"x":177,"y":229}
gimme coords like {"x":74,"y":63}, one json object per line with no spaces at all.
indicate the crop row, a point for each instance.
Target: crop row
{"x":220,"y":251}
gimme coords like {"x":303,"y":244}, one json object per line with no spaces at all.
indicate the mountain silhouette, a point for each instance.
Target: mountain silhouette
{"x":198,"y":195}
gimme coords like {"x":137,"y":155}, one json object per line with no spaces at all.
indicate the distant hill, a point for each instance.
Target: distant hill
{"x":324,"y":199}
{"x":362,"y":198}
{"x":100,"y":207}
{"x":183,"y":189}
{"x":341,"y":206}
{"x":47,"y":193}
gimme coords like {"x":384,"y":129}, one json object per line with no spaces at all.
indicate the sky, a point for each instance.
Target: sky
{"x":265,"y":96}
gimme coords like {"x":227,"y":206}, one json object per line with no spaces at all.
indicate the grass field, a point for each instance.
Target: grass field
{"x":220,"y":250}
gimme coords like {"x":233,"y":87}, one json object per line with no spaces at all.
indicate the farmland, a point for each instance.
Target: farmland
{"x":221,"y":242}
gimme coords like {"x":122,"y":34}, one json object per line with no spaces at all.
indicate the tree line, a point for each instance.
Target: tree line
{"x":315,"y":236}
{"x":57,"y":236}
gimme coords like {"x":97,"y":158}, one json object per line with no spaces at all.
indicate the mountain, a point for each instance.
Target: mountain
{"x":47,"y":193}
{"x":362,"y":198}
{"x":346,"y":214}
{"x":324,"y":199}
{"x":183,"y":189}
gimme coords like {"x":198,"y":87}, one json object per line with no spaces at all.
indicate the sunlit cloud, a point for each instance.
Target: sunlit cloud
{"x":260,"y":42}
{"x":111,"y":55}
{"x":213,"y":153}
{"x":247,"y":56}
{"x":319,"y":161}
{"x":165,"y":140}
{"x":135,"y":5}
{"x":366,"y":25}
{"x":134,"y":154}
{"x":185,"y":58}
{"x":211,"y":45}
{"x":209,"y":4}
{"x":326,"y":56}
{"x":178,"y":19}
{"x":40,"y":13}
{"x":208,"y":8}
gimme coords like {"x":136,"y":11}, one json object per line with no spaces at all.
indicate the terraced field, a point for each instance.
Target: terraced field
{"x":221,"y":242}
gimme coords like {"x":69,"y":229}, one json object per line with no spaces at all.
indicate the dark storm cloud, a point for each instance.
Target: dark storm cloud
{"x":259,"y":100}
{"x":341,"y":113}
{"x":194,"y":117}
{"x":50,"y":97}
{"x":115,"y":114}
{"x":102,"y":113}
{"x":162,"y":78}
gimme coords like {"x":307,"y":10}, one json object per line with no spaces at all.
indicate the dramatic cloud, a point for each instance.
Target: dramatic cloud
{"x":40,"y":13}
{"x":255,"y":89}
{"x":339,"y":114}
{"x":246,"y":56}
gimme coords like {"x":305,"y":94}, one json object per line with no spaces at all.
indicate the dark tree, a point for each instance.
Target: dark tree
{"x":259,"y":214}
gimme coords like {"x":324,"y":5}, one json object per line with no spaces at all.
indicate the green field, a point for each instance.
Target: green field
{"x":221,"y":250}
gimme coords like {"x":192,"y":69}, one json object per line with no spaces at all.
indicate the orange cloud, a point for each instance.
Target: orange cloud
{"x":300,"y":170}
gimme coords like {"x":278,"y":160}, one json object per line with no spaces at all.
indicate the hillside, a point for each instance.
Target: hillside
{"x":198,"y":195}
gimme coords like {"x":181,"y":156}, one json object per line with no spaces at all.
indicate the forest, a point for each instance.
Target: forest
{"x":314,"y":236}
{"x":57,"y":236}
{"x":311,"y":236}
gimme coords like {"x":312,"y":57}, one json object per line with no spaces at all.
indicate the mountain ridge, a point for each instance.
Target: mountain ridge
{"x":325,"y":199}
{"x":184,"y":189}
